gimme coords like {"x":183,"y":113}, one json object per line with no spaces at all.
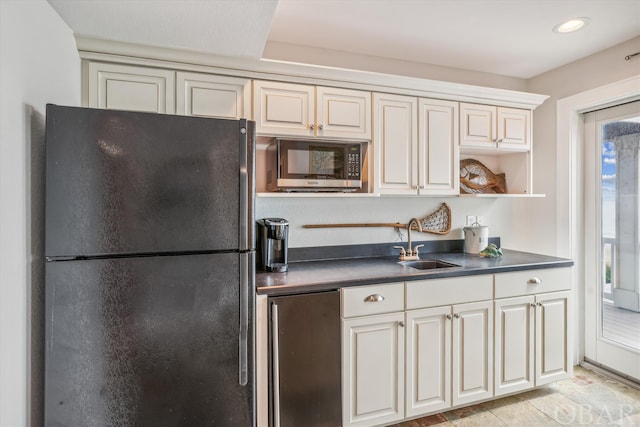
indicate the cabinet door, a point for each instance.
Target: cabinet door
{"x":373,"y":370}
{"x":438,"y":158}
{"x":283,"y":108}
{"x":428,"y":370}
{"x":478,"y":125}
{"x":472,"y":352}
{"x":514,"y":344}
{"x":343,"y":113}
{"x":207,"y":95}
{"x":514,"y":129}
{"x":552,"y":342}
{"x":125,"y":87}
{"x":395,"y":143}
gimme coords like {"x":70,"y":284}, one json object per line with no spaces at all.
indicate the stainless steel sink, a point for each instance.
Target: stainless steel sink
{"x":427,"y":264}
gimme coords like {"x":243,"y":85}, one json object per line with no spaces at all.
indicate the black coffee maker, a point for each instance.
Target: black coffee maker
{"x":273,"y":244}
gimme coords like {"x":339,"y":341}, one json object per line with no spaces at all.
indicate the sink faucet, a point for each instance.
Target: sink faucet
{"x":409,"y":254}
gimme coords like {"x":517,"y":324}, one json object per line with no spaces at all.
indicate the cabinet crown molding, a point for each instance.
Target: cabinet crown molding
{"x":119,"y":52}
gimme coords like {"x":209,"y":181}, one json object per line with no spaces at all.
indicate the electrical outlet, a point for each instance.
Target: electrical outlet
{"x":480,"y":220}
{"x":471,"y":219}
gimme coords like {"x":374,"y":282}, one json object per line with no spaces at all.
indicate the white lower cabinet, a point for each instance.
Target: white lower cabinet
{"x":472,"y":352}
{"x":373,"y":370}
{"x":449,"y":356}
{"x":514,"y":351}
{"x":428,"y":358}
{"x":373,"y":345}
{"x":451,"y":342}
{"x":553,"y":331}
{"x":531,"y":347}
{"x":532,"y":329}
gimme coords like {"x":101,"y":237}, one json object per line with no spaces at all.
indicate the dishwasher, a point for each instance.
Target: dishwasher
{"x":305,"y":356}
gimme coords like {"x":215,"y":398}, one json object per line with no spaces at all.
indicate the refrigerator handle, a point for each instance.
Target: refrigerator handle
{"x":276,"y":364}
{"x":244,"y":320}
{"x":245,"y":188}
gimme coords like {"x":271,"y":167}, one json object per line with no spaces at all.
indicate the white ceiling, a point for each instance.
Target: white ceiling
{"x":507,"y":37}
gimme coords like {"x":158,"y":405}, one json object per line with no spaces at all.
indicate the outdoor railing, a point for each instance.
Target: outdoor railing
{"x":609,"y":261}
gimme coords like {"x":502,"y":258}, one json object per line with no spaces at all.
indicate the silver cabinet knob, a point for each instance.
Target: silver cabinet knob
{"x":311,"y":126}
{"x":449,"y":316}
{"x":401,"y":324}
{"x":320,"y":127}
{"x":533,"y":304}
{"x":374,"y":298}
{"x":457,"y":316}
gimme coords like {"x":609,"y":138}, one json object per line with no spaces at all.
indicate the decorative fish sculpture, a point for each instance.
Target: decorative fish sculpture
{"x":477,"y":178}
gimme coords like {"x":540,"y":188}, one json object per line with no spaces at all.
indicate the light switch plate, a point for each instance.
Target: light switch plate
{"x":471,"y":219}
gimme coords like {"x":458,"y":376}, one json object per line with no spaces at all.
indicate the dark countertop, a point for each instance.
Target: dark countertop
{"x":322,"y":275}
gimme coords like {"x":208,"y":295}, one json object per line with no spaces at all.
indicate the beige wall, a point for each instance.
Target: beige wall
{"x":541,"y":233}
{"x":331,"y":58}
{"x":39,"y":64}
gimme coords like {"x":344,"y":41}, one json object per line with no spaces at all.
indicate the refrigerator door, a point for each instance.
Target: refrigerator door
{"x":120,"y":182}
{"x":149,"y":341}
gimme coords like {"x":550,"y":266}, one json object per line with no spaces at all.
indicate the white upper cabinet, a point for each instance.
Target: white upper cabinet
{"x":438,"y":158}
{"x":416,"y":145}
{"x":210,"y":95}
{"x":126,"y":87}
{"x":478,"y":126}
{"x":283,"y":108}
{"x":395,"y":142}
{"x":343,"y":113}
{"x":514,"y":128}
{"x":491,"y":127}
{"x":158,"y":90}
{"x":302,"y":110}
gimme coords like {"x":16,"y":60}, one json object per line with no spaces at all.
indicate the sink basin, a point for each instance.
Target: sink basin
{"x":427,"y":264}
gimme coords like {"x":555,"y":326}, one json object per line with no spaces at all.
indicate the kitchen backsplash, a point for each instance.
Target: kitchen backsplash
{"x":299,"y":211}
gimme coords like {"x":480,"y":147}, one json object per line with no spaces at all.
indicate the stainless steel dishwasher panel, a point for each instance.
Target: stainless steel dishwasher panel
{"x":305,"y":360}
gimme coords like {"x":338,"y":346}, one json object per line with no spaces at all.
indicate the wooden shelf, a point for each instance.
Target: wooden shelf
{"x":311,"y":194}
{"x":328,"y":195}
{"x":502,"y":196}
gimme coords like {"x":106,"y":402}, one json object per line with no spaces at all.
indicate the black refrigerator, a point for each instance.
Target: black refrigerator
{"x":149,"y":274}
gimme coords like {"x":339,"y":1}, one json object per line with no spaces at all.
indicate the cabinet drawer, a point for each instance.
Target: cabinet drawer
{"x":532,"y":282}
{"x":375,"y":299}
{"x":455,"y":290}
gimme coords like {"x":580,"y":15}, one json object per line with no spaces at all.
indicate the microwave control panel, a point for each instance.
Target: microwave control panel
{"x":353,"y":165}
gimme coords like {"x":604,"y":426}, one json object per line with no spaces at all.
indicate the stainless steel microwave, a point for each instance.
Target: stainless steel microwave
{"x":314,"y":165}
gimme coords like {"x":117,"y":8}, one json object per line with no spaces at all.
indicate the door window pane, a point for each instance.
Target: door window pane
{"x":620,"y":239}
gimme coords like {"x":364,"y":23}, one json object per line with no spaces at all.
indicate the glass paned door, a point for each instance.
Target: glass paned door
{"x":612,"y":238}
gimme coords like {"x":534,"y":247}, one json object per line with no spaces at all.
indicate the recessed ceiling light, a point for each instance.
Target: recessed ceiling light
{"x":571,"y":25}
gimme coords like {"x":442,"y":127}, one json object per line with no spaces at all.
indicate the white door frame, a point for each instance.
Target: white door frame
{"x":569,"y":172}
{"x":598,"y":348}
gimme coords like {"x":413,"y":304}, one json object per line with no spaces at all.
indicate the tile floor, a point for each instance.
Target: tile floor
{"x":587,"y":399}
